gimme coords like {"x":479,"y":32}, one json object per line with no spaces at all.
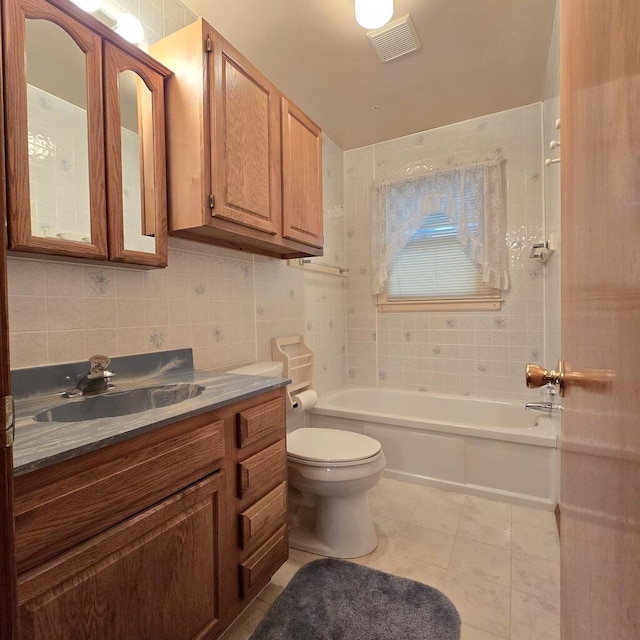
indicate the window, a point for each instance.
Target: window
{"x":438,"y":240}
{"x":433,"y":272}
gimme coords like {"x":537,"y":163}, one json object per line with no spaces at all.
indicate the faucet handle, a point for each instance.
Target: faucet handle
{"x":98,"y":363}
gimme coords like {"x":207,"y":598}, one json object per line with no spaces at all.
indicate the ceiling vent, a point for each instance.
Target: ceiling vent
{"x":395,"y":39}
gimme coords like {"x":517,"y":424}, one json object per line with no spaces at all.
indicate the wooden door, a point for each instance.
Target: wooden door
{"x":8,"y":596}
{"x":301,"y":177}
{"x":246,"y":147}
{"x":600,"y":494}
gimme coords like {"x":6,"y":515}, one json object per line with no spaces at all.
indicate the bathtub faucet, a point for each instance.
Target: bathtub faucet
{"x":547,"y":407}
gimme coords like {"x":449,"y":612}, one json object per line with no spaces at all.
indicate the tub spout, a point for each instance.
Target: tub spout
{"x":547,"y":407}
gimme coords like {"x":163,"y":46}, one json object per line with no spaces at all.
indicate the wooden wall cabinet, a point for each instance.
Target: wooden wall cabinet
{"x":169,"y":535}
{"x":68,"y":131}
{"x":244,"y":164}
{"x":302,"y":171}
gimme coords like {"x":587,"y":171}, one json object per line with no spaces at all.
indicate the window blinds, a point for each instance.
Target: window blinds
{"x":433,"y":265}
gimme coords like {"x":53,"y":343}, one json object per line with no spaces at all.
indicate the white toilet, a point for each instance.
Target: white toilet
{"x":330,"y":473}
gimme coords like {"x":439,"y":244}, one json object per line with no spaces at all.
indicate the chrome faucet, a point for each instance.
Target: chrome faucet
{"x":95,"y":381}
{"x":548,"y":406}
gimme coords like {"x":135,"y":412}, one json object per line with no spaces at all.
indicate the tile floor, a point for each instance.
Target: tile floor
{"x":499,"y":563}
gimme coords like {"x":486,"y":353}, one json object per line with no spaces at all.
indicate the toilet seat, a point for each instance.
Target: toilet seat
{"x":317,"y":446}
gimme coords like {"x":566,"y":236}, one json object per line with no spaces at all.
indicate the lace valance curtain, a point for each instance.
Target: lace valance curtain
{"x":472,"y":197}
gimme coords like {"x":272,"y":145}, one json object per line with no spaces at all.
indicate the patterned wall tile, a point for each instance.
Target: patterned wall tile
{"x":462,"y":353}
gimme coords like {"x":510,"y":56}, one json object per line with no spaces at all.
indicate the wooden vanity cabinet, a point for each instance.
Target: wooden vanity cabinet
{"x":153,"y":576}
{"x":262,"y":513}
{"x":241,"y":172}
{"x":168,"y":535}
{"x":256,"y":495}
{"x":125,"y":541}
{"x":64,"y":161}
{"x":63,"y":505}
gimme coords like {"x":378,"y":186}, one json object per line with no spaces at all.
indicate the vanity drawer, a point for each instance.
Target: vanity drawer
{"x":262,"y":471}
{"x":262,"y":420}
{"x":258,"y":568}
{"x":62,"y":505}
{"x":260,"y":520}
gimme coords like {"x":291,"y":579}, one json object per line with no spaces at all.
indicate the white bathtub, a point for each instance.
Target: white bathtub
{"x":483,"y":447}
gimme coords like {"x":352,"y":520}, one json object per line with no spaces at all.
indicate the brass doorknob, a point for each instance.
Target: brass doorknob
{"x":537,"y":376}
{"x":593,"y":379}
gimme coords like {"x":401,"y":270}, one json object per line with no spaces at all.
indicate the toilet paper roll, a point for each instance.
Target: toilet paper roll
{"x":303,"y":400}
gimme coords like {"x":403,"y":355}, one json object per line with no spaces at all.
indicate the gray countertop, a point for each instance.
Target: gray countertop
{"x":40,"y":444}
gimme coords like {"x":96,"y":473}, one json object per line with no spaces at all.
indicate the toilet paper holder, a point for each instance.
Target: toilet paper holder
{"x":297,"y":360}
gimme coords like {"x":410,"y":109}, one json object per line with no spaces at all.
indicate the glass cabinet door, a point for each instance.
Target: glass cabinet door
{"x":136,"y":169}
{"x":54,"y":132}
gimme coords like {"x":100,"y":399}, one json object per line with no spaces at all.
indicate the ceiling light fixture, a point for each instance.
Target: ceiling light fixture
{"x":373,"y":14}
{"x":90,"y":6}
{"x":130,"y":28}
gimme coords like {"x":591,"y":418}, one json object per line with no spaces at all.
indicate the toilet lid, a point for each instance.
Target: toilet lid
{"x":330,"y":445}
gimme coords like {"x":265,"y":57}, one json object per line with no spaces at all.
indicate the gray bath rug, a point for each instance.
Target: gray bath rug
{"x":335,"y":600}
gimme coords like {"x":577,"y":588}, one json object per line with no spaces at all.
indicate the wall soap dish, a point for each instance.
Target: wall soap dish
{"x":544,"y":250}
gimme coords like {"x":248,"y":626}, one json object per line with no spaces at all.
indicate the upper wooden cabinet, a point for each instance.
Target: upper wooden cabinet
{"x":246,"y":172}
{"x":85,"y":156}
{"x":136,"y":168}
{"x":302,"y":166}
{"x":244,"y":164}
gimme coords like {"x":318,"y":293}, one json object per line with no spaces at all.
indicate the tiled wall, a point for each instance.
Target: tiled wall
{"x":551,"y":110}
{"x":552,"y":194}
{"x":159,"y":18}
{"x":478,"y":353}
{"x":552,"y":226}
{"x":226,"y":305}
{"x":552,"y":76}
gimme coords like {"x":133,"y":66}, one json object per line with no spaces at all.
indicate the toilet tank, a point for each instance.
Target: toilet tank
{"x":268,"y":368}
